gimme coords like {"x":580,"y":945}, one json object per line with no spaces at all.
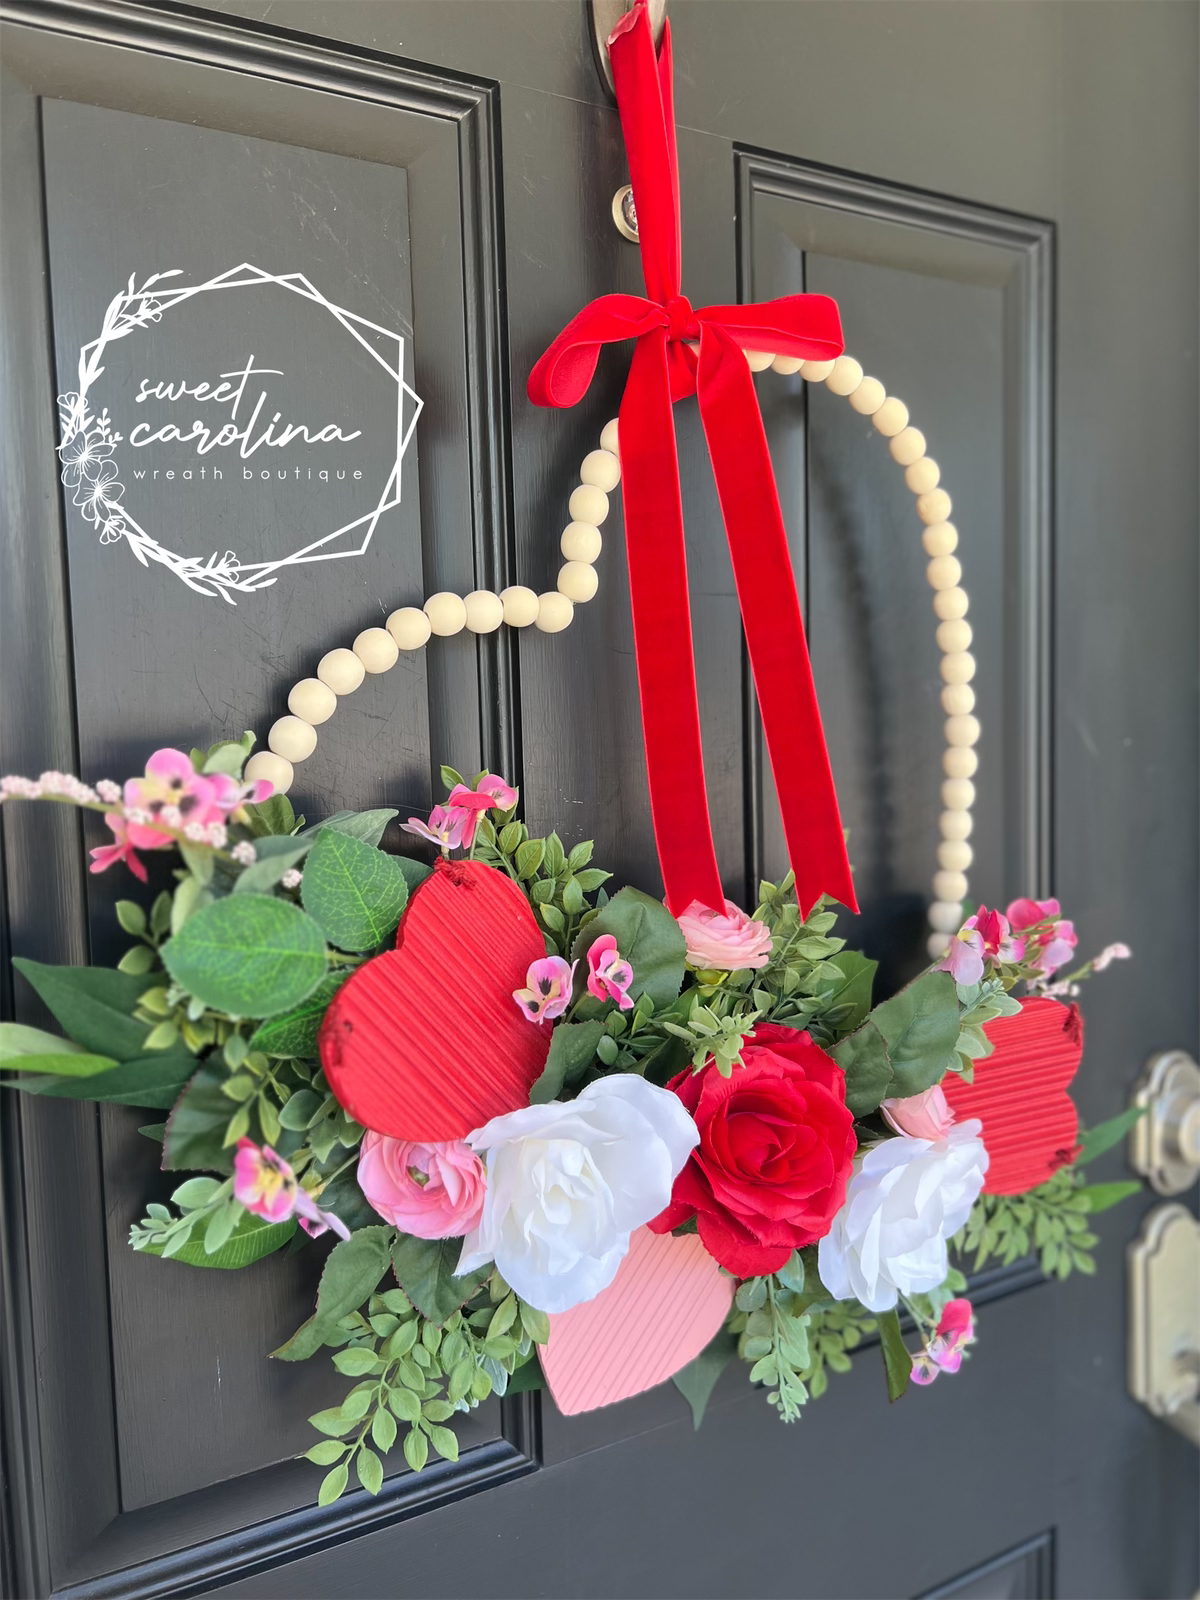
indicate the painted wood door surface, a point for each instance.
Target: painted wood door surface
{"x":1003,"y":200}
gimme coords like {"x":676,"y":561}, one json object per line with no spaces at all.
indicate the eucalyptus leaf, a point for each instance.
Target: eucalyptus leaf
{"x":354,"y":892}
{"x":647,"y":936}
{"x":249,"y":955}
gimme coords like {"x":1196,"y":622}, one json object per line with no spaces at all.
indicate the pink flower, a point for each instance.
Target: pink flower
{"x":444,"y":828}
{"x":994,"y":929}
{"x":434,"y":1191}
{"x":944,"y":1352}
{"x":609,"y":975}
{"x":104,"y":855}
{"x":964,"y":958}
{"x":1052,"y":939}
{"x":492,"y":794}
{"x":265,"y":1184}
{"x":921,"y":1116}
{"x":728,"y":940}
{"x":1111,"y":953}
{"x":173,"y":787}
{"x":548,"y":989}
{"x":1026,"y":913}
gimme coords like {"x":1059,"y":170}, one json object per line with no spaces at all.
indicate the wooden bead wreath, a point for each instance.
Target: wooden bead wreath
{"x":314,"y":700}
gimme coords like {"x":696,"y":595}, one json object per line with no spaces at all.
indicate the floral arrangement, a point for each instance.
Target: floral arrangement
{"x":559,"y":1134}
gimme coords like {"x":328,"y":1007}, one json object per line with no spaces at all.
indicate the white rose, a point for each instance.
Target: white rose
{"x":567,"y":1183}
{"x":906,"y":1198}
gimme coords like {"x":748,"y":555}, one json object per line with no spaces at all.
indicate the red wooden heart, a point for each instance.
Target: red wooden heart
{"x":426,"y":1042}
{"x":1030,"y":1125}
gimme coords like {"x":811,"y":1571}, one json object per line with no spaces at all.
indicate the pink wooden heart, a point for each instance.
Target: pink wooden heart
{"x":667,"y":1301}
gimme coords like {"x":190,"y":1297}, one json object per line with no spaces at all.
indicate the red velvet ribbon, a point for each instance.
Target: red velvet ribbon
{"x":666,"y":368}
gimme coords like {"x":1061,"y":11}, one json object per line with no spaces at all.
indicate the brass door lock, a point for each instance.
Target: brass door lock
{"x":1164,"y":1318}
{"x":1165,"y":1143}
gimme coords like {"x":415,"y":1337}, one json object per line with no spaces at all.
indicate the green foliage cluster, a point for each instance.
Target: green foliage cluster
{"x":835,"y":1327}
{"x":770,"y":1319}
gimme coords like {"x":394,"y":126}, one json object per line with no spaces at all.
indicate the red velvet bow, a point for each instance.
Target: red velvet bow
{"x":666,"y":367}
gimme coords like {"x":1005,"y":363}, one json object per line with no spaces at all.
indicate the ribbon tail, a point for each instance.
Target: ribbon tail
{"x":662,"y":632}
{"x":774,"y":628}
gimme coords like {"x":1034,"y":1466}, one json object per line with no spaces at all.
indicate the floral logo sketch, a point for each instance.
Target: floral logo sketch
{"x":89,"y":439}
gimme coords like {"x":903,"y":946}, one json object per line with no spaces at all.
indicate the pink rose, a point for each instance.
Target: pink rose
{"x":920,"y":1116}
{"x":727,"y":940}
{"x":434,"y":1191}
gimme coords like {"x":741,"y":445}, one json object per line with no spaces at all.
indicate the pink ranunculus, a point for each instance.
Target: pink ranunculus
{"x":490,"y":794}
{"x":609,"y":974}
{"x":921,"y":1116}
{"x":171,"y":784}
{"x":266,"y":1185}
{"x":434,"y":1191}
{"x":547,"y":991}
{"x":444,"y":828}
{"x":727,"y":940}
{"x":964,"y":957}
{"x":105,"y":855}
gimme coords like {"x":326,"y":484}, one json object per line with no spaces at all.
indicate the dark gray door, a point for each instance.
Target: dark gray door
{"x":1003,"y":200}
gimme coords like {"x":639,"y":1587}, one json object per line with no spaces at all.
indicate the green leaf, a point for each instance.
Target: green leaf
{"x":367,"y":826}
{"x":444,"y":1442}
{"x":353,"y":891}
{"x":529,"y":858}
{"x":416,"y":1449}
{"x":791,"y":1274}
{"x":333,"y":1421}
{"x":251,"y":1240}
{"x":249,"y":955}
{"x":94,"y":1005}
{"x":896,"y":1360}
{"x":345,"y":1199}
{"x":325,"y":1453}
{"x":527,"y":1377}
{"x":196,"y":1127}
{"x":1103,"y":1137}
{"x":295,"y":1032}
{"x":572,"y":1047}
{"x":25,"y":1049}
{"x":863,"y":1057}
{"x":355,"y":1362}
{"x":151,"y":1081}
{"x":425,"y":1271}
{"x":920,"y":1026}
{"x":271,"y":816}
{"x":229,"y":756}
{"x":405,"y":1404}
{"x":352,"y":1272}
{"x":370,"y":1470}
{"x":647,"y":936}
{"x":332,"y":1485}
{"x":1101,"y":1196}
{"x":698,"y":1379}
{"x":856,"y":991}
{"x":271,"y":865}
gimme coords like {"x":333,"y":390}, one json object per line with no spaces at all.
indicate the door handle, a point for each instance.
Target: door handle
{"x":1164,"y":1318}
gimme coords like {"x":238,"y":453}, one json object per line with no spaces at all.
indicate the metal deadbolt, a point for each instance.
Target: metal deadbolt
{"x":625,"y":213}
{"x":1165,"y":1142}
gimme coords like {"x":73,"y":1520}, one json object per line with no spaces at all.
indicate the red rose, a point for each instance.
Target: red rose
{"x":775,"y":1152}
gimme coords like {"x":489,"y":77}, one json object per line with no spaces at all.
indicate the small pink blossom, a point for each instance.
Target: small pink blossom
{"x":291,"y":878}
{"x":172,"y":788}
{"x":66,"y":785}
{"x":244,"y":853}
{"x":490,"y":794}
{"x":266,"y":1185}
{"x":921,"y":1116}
{"x":1051,"y":939}
{"x":964,"y":957}
{"x":108,"y":791}
{"x":18,"y":788}
{"x":609,"y":975}
{"x":431,"y":1190}
{"x":1111,"y":953}
{"x":105,"y":855}
{"x":547,"y":993}
{"x":944,"y":1352}
{"x":727,"y":941}
{"x":444,"y":828}
{"x":1025,"y":913}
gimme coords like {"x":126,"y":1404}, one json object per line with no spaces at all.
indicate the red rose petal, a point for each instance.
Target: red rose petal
{"x":1019,"y":1093}
{"x":426,"y":1042}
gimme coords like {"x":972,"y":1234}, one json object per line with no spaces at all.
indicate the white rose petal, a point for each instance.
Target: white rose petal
{"x":906,"y":1199}
{"x":569,"y":1182}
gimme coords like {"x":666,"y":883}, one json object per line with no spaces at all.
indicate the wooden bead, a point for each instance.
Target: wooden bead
{"x":787,"y":365}
{"x":935,"y":506}
{"x":520,"y":606}
{"x":923,"y":475}
{"x":409,"y":627}
{"x":292,"y":738}
{"x":950,"y":887}
{"x":958,"y":668}
{"x":937,"y":944}
{"x":588,"y":504}
{"x":955,"y":825}
{"x":277,"y":771}
{"x":950,"y":604}
{"x":954,"y":635}
{"x":608,"y":438}
{"x":960,"y":762}
{"x":946,"y":916}
{"x":312,"y":701}
{"x":892,"y":418}
{"x":940,"y":539}
{"x":341,"y":670}
{"x":447,"y":613}
{"x":955,"y":855}
{"x":907,"y":446}
{"x":759,"y":360}
{"x":845,"y":377}
{"x":601,"y":469}
{"x":581,"y":542}
{"x":485,"y":611}
{"x":868,"y":397}
{"x":817,"y":371}
{"x":376,"y":649}
{"x":554,"y":612}
{"x":958,"y":794}
{"x":962,"y":730}
{"x":958,"y":699}
{"x":578,"y":581}
{"x":944,"y":572}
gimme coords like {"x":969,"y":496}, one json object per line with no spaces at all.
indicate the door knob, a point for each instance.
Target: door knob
{"x":1164,"y":1318}
{"x":1165,"y":1142}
